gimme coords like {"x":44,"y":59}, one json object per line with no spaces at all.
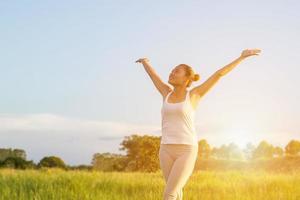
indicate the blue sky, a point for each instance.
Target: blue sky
{"x":71,"y":87}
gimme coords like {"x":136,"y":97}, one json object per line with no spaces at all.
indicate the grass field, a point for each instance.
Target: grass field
{"x":203,"y":185}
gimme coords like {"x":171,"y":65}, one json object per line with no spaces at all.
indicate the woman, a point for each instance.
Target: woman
{"x":179,"y":146}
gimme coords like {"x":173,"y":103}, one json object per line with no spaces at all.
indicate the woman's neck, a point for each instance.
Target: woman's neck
{"x":180,"y":90}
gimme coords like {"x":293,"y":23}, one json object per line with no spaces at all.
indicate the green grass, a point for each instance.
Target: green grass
{"x":203,"y":185}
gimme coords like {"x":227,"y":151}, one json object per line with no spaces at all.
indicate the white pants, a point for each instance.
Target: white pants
{"x":177,"y":162}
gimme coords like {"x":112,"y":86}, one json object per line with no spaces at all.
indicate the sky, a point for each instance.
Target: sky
{"x":70,"y":86}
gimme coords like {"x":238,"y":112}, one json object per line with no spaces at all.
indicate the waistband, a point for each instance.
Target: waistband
{"x":182,"y":146}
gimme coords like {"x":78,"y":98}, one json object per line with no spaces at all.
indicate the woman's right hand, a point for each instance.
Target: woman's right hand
{"x":141,"y":60}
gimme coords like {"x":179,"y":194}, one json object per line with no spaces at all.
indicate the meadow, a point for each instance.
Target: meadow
{"x":46,"y":184}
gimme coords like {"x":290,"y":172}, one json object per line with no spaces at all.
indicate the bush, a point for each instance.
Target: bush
{"x":52,"y":161}
{"x":17,"y":163}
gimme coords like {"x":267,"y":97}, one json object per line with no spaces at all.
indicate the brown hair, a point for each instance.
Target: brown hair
{"x":190,"y":74}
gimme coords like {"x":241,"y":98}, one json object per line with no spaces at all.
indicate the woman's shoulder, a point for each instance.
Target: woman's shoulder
{"x":166,"y":93}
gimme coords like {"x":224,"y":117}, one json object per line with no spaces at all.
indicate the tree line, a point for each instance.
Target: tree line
{"x":17,"y":159}
{"x":141,"y":154}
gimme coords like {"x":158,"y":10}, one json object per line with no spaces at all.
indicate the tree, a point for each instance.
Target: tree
{"x":264,"y":150}
{"x":141,"y":152}
{"x":204,"y":150}
{"x":52,"y":161}
{"x":221,"y":152}
{"x":108,"y":162}
{"x":228,"y":152}
{"x":5,"y":153}
{"x":293,"y":148}
{"x":20,"y":153}
{"x":17,"y":163}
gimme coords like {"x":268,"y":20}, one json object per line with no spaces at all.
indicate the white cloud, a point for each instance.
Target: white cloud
{"x":58,"y":123}
{"x":73,"y":139}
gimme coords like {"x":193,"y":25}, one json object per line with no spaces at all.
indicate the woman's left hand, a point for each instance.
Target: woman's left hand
{"x":250,"y":52}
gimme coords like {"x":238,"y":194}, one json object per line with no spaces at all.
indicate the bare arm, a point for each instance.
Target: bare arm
{"x":202,"y":89}
{"x":162,"y":87}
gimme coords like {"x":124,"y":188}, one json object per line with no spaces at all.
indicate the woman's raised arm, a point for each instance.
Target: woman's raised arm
{"x":200,"y":90}
{"x":162,"y":87}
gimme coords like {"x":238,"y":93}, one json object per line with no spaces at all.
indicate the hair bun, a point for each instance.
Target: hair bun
{"x":196,"y":77}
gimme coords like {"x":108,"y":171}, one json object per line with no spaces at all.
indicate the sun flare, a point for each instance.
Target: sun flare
{"x":239,"y":136}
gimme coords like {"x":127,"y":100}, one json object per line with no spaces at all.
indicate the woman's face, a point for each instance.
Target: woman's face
{"x":177,"y":76}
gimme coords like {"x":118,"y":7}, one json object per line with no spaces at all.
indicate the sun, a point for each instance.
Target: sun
{"x":240,"y":137}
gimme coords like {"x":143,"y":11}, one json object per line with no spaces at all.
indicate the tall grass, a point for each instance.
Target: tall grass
{"x":203,"y":185}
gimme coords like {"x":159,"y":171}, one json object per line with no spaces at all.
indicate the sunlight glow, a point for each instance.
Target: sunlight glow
{"x":239,"y":136}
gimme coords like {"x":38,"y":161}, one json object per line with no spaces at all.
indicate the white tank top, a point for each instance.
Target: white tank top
{"x":178,"y":122}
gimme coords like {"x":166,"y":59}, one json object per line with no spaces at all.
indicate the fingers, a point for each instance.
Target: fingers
{"x":252,"y":52}
{"x":256,"y":50}
{"x":141,"y":59}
